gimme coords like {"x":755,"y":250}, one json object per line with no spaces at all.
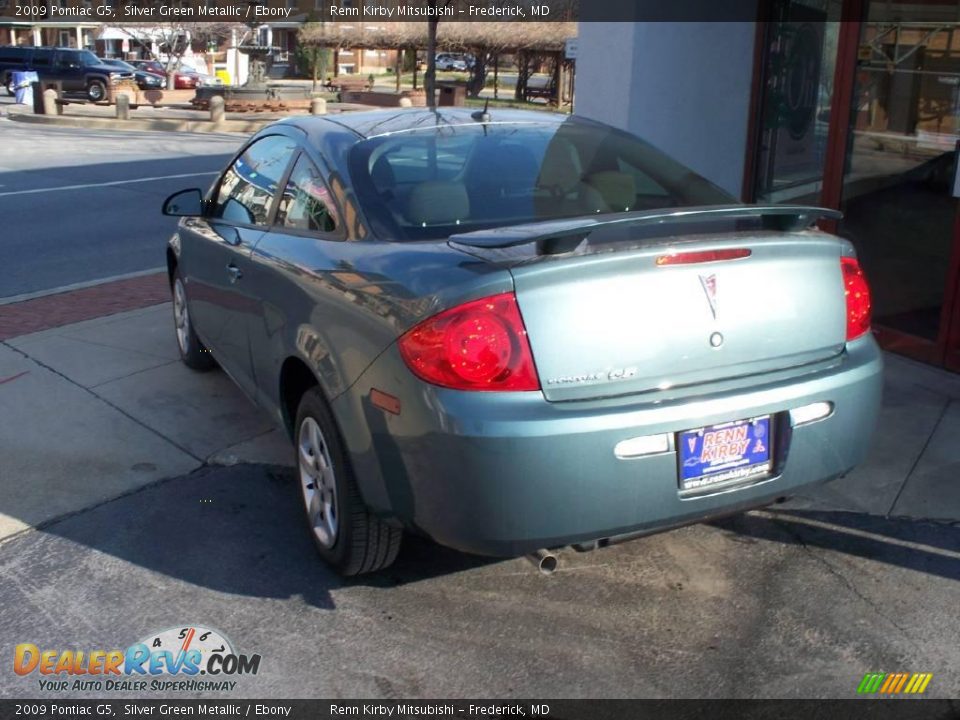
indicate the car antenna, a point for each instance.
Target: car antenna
{"x":482,"y":115}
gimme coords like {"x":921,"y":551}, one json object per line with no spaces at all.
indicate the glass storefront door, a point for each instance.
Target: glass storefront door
{"x":900,"y":178}
{"x":800,"y":54}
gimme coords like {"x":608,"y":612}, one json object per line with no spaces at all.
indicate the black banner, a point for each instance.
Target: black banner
{"x":377,"y":12}
{"x":887,"y":709}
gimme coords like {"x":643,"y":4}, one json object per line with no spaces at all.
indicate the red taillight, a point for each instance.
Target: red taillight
{"x":480,"y":345}
{"x":858,"y":298}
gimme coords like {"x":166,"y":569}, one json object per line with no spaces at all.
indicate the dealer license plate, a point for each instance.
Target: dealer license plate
{"x":729,"y":453}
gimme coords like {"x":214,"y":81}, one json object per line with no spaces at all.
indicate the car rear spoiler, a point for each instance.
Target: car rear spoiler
{"x":772,"y":217}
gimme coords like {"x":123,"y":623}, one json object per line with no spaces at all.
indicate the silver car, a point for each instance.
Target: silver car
{"x":513,"y":331}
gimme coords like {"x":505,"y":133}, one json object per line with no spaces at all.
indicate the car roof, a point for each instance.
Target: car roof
{"x":374,"y":123}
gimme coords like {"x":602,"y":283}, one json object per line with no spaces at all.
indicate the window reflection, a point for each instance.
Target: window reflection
{"x":306,"y":203}
{"x":248,"y":186}
{"x":900,"y":165}
{"x":800,"y":60}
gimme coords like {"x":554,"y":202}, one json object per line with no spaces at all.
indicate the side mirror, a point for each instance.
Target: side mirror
{"x":186,"y":203}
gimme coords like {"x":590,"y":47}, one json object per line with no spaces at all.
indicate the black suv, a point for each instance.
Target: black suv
{"x":78,"y":70}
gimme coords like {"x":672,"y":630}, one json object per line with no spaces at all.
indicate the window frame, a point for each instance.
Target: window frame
{"x":339,"y":233}
{"x":211,"y":201}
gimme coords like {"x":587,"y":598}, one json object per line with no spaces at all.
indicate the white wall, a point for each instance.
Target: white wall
{"x":683,"y":86}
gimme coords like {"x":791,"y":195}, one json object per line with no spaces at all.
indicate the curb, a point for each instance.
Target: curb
{"x":172,"y":125}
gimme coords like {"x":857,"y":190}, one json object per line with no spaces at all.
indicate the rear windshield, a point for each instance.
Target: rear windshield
{"x":431,"y":183}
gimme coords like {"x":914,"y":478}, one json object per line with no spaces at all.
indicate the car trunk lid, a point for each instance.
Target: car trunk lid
{"x":615,"y":316}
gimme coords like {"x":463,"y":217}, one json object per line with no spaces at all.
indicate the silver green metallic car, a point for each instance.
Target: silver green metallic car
{"x":512,"y":331}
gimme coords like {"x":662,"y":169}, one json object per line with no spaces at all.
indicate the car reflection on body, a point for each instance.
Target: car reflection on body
{"x":517,"y":331}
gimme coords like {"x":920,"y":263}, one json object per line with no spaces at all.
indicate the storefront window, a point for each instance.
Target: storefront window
{"x":898,"y":184}
{"x":799,"y":61}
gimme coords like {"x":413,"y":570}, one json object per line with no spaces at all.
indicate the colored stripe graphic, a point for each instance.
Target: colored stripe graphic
{"x":870,"y":683}
{"x":894,"y":683}
{"x":888,"y":683}
{"x":900,"y":683}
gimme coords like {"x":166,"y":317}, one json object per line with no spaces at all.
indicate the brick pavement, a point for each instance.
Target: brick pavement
{"x":73,"y":306}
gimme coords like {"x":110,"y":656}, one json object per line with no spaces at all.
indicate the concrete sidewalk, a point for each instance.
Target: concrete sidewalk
{"x":100,"y":408}
{"x":97,"y":409}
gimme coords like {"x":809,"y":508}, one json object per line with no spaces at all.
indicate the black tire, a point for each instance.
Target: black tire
{"x":362,"y":543}
{"x":8,"y":84}
{"x":96,"y":91}
{"x":192,"y":352}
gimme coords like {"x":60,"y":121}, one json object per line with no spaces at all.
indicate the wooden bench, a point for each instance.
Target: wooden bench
{"x":349,"y":83}
{"x":547,"y":90}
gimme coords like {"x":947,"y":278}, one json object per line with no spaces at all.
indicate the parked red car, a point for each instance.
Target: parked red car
{"x":182,"y":79}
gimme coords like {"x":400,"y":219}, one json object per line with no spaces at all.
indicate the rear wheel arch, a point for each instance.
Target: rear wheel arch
{"x":296,"y":378}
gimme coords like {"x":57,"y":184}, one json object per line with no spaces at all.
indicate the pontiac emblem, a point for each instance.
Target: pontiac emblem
{"x":709,"y":285}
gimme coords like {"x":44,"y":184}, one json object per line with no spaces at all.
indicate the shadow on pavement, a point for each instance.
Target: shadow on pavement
{"x":926,"y":547}
{"x":236,"y":530}
{"x":239,"y":530}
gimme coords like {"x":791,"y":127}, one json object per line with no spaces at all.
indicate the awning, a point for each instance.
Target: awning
{"x":111,"y":33}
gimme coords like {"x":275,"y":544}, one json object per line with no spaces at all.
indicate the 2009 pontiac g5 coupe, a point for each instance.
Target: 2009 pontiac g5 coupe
{"x":512,"y":331}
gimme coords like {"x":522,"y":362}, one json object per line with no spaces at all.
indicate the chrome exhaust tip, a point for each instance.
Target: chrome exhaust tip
{"x":546,"y":562}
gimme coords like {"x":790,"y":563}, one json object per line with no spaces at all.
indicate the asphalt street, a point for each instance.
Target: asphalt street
{"x":80,"y":206}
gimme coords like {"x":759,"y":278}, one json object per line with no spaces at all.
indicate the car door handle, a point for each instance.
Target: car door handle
{"x":235,"y":273}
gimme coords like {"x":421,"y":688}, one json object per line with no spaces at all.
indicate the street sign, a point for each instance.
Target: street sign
{"x":570,"y":48}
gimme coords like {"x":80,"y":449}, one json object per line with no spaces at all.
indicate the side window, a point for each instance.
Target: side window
{"x":41,"y":58}
{"x":248,"y":186}
{"x":67,"y":59}
{"x":306,"y":202}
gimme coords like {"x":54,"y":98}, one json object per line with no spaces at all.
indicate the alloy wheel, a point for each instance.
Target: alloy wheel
{"x":318,"y":482}
{"x":181,"y":316}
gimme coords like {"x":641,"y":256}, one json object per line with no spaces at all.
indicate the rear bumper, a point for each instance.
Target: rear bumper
{"x":506,"y":474}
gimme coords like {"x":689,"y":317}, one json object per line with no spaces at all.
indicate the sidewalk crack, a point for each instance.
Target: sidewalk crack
{"x":104,"y":400}
{"x":209,"y":459}
{"x":879,"y":610}
{"x":916,"y":463}
{"x":131,"y":374}
{"x":118,"y":348}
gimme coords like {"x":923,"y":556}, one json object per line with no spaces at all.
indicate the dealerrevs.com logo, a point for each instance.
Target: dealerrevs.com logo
{"x":182,"y":659}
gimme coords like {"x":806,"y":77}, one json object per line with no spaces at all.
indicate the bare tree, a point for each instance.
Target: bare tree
{"x":537,"y":41}
{"x":430,"y":76}
{"x":534,"y":42}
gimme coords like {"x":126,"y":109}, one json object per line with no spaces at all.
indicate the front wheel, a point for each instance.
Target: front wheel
{"x":96,"y":91}
{"x":347,"y":535}
{"x":192,"y":352}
